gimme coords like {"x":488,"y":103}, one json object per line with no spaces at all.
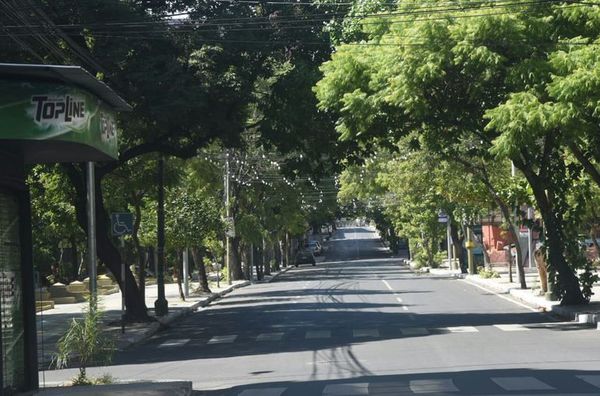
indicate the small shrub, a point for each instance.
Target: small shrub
{"x":487,"y":273}
{"x":84,"y":343}
{"x":105,"y":379}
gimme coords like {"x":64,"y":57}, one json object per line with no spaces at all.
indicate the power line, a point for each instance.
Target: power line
{"x":288,"y":19}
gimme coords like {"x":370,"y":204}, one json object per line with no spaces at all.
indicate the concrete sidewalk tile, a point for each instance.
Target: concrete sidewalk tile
{"x":521,"y":384}
{"x":433,"y":386}
{"x":350,"y":389}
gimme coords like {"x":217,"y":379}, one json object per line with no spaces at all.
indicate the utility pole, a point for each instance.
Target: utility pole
{"x":530,"y":238}
{"x":229,"y":219}
{"x":161,"y":305}
{"x":91,"y":223}
{"x":186,"y":266}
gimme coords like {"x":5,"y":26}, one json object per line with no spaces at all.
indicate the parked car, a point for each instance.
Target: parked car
{"x":304,"y":256}
{"x":315,"y":247}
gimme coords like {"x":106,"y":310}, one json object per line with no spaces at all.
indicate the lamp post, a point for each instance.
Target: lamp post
{"x":161,"y":305}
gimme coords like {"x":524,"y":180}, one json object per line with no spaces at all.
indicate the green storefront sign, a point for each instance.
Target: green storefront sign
{"x":55,"y":112}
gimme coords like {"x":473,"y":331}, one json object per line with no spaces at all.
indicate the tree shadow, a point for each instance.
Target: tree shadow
{"x":516,"y":381}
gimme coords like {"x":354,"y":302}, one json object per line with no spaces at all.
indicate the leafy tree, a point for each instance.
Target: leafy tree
{"x":440,"y":78}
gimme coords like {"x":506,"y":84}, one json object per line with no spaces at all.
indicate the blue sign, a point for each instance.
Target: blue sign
{"x":121,"y":224}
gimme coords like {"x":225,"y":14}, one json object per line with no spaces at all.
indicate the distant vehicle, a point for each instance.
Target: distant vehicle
{"x":315,"y":247}
{"x":304,"y":256}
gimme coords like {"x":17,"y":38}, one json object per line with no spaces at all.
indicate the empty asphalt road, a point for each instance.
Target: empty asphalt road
{"x":362,"y":324}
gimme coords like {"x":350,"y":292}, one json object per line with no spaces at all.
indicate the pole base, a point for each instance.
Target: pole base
{"x":161,"y":307}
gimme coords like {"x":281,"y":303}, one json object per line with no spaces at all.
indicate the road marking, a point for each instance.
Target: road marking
{"x":365,"y":333}
{"x":262,"y":392}
{"x":315,"y":334}
{"x":174,"y":343}
{"x":387,"y":284}
{"x":511,"y":327}
{"x":462,"y":329}
{"x":399,"y":299}
{"x":354,"y":389}
{"x":593,"y":380}
{"x":433,"y":386}
{"x":414,"y":331}
{"x":389,"y":388}
{"x":521,"y":384}
{"x":269,"y":337}
{"x":222,"y":339}
{"x":500,"y":295}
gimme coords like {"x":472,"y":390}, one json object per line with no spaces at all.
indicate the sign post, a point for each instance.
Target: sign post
{"x":443,"y":218}
{"x":121,"y":224}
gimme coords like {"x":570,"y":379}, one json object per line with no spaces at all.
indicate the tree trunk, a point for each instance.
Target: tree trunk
{"x":567,"y":279}
{"x":198,"y":259}
{"x":458,"y":243}
{"x":140,"y":251}
{"x":257,"y":255}
{"x":135,"y":306}
{"x":512,"y":228}
{"x":247,"y":262}
{"x":266,"y":257}
{"x":236,"y":264}
{"x":178,"y":267}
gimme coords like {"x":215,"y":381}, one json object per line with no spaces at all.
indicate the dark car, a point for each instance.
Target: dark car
{"x":304,"y":256}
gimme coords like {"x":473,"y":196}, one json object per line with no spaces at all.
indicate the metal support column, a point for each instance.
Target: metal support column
{"x":91,"y":223}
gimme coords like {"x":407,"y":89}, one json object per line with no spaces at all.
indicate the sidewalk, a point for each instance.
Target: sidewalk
{"x":582,"y":313}
{"x":52,"y":323}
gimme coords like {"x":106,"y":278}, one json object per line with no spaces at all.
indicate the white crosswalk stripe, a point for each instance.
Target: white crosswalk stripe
{"x":521,"y":384}
{"x":511,"y":327}
{"x":414,"y":331}
{"x":262,"y":392}
{"x":222,"y":339}
{"x":269,"y":337}
{"x":365,"y":333}
{"x":462,"y":329}
{"x":173,"y":343}
{"x":316,"y":334}
{"x":433,"y":386}
{"x":593,"y":380}
{"x":353,"y":389}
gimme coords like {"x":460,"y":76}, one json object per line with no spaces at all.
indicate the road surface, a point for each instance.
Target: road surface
{"x":362,"y":324}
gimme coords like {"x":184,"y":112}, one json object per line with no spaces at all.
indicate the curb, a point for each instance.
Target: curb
{"x":163,"y":322}
{"x":523,"y":297}
{"x":166,"y":388}
{"x":283,"y":271}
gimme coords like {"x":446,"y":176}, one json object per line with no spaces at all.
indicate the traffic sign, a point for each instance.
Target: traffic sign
{"x":121,"y":224}
{"x":442,"y":218}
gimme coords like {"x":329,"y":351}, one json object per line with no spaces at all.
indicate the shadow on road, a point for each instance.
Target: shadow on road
{"x":519,"y":381}
{"x":339,"y":309}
